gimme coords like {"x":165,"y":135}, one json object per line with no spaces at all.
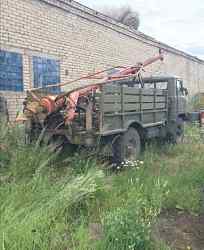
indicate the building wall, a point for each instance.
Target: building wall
{"x":83,"y":41}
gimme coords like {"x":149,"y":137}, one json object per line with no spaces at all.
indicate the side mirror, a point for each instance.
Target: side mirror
{"x":185,"y":91}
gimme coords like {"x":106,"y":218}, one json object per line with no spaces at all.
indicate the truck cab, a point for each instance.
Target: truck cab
{"x":177,"y":98}
{"x":177,"y":112}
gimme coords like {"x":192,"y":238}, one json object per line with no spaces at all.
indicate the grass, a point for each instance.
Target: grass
{"x":78,"y":204}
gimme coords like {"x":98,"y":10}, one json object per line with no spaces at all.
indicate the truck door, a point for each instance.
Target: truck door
{"x":181,"y":99}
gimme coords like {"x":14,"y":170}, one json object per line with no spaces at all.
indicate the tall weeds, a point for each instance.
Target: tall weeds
{"x":50,"y":204}
{"x":35,"y":209}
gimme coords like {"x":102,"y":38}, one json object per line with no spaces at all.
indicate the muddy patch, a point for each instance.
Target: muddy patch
{"x":180,"y":230}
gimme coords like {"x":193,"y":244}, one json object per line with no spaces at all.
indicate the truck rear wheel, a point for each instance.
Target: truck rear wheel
{"x":126,"y":146}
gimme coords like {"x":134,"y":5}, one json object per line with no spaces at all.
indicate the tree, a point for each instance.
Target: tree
{"x":125,"y":15}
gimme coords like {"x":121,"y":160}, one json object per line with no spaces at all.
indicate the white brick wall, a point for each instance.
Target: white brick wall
{"x":83,"y":42}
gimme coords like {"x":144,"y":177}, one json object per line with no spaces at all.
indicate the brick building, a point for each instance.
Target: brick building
{"x":51,"y":41}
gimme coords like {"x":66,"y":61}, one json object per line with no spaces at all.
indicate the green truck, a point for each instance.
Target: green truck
{"x":123,"y":114}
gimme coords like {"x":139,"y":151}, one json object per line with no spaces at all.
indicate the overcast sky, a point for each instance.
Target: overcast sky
{"x":179,"y":23}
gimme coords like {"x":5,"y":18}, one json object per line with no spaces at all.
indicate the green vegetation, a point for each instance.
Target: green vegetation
{"x":197,"y":101}
{"x":79,"y":204}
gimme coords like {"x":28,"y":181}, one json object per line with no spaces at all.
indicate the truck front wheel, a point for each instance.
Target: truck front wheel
{"x":126,"y":146}
{"x":177,"y":136}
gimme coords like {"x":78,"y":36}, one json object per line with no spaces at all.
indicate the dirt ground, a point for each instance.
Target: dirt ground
{"x":180,"y":230}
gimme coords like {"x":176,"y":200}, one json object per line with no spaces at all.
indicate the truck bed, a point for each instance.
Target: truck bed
{"x":121,"y":105}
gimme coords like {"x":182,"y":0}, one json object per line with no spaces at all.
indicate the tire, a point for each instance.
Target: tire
{"x":179,"y":139}
{"x":126,"y":146}
{"x":178,"y":136}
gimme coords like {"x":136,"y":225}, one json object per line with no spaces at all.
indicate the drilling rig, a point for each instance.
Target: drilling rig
{"x":121,"y":108}
{"x":39,"y":106}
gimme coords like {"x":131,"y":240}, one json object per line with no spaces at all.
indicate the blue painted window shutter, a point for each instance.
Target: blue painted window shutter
{"x":46,"y":72}
{"x":11,"y":71}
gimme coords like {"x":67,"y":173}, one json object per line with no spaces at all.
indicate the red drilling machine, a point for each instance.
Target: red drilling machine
{"x":44,"y":105}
